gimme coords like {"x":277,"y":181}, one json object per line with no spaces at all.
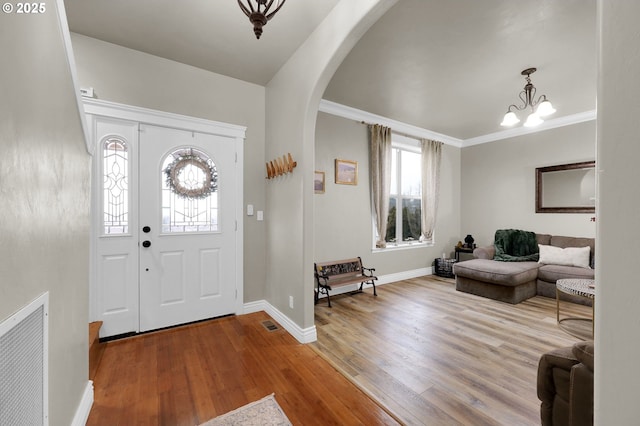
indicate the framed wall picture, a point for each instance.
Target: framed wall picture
{"x":346,"y":172}
{"x":318,"y":182}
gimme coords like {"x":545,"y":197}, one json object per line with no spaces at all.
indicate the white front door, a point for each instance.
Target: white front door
{"x":187,"y":218}
{"x":165,"y":206}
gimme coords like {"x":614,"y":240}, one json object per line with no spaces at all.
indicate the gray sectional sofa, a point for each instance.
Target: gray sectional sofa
{"x":513,"y":282}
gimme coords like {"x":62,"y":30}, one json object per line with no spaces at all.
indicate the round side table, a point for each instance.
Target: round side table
{"x":577,"y":287}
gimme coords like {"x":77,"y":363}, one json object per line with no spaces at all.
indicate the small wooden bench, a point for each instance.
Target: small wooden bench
{"x":339,"y":273}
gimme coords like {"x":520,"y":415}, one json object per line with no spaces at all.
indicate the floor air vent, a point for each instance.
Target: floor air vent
{"x":269,"y":325}
{"x":23,"y":365}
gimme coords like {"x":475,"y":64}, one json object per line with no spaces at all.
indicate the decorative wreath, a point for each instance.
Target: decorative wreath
{"x":206,"y":186}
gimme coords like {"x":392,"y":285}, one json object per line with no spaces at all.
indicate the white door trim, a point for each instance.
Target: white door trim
{"x":95,"y":107}
{"x":162,"y":118}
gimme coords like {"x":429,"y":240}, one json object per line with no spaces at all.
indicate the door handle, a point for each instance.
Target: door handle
{"x":146,"y":243}
{"x":146,"y":229}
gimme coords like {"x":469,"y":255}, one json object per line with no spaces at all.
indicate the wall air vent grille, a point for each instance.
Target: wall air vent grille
{"x":23,"y":365}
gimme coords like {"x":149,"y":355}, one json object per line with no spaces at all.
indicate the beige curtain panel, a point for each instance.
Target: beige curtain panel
{"x":380,"y":178}
{"x":431,"y":156}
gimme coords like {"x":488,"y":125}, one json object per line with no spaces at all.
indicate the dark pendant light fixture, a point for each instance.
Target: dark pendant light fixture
{"x":527,"y":97}
{"x":259,"y":14}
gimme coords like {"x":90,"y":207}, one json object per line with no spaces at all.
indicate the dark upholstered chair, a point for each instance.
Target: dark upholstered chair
{"x":565,"y":386}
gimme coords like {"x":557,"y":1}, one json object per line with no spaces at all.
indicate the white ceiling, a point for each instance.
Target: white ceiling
{"x":449,"y":66}
{"x":211,"y":34}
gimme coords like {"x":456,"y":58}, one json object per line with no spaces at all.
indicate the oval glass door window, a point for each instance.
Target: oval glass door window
{"x":189,"y":192}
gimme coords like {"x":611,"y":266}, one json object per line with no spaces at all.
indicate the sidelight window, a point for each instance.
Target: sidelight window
{"x":115,"y":187}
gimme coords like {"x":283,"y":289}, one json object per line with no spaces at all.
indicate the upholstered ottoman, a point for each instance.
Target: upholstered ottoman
{"x":510,"y":282}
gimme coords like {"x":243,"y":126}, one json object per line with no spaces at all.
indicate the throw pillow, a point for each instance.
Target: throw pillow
{"x":570,"y":256}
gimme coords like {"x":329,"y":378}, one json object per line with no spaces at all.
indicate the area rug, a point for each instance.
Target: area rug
{"x":265,"y":411}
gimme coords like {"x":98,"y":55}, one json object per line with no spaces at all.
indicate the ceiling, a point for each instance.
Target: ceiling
{"x":451,"y":67}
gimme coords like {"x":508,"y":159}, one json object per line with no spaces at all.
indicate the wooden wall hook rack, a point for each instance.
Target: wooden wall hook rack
{"x":280,"y":166}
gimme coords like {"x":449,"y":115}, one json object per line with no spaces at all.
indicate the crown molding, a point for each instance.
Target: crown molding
{"x":418,"y":132}
{"x":396,"y":126}
{"x":567,"y":120}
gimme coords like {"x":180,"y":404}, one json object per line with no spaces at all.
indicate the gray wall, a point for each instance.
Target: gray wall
{"x":342,"y":215}
{"x":134,"y":78}
{"x":44,"y":188}
{"x":498,"y":182}
{"x":293,"y":97}
{"x":617,"y":377}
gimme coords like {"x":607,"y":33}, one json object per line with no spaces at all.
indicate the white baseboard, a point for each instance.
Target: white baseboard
{"x":383,"y":279}
{"x":302,"y":335}
{"x":257,"y":306}
{"x":404,"y":275}
{"x":308,"y":335}
{"x":84,"y":408}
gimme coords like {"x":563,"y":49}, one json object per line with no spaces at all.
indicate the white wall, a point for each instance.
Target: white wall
{"x":44,"y":188}
{"x":342,"y":215}
{"x":498,"y":182}
{"x":131,"y":77}
{"x":617,"y":331}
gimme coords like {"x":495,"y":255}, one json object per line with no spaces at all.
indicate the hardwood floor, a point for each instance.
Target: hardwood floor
{"x":428,"y":354}
{"x":435,"y":356}
{"x":188,"y":375}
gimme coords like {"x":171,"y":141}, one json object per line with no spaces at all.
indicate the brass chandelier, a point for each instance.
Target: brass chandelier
{"x":527,"y":96}
{"x":259,"y":13}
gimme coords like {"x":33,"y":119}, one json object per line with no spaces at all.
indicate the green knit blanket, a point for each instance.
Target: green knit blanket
{"x":514,"y":245}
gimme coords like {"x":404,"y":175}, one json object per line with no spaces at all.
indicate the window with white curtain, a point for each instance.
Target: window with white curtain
{"x":403,"y":224}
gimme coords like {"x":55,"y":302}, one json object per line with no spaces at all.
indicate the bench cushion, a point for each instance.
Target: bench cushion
{"x":503,"y":273}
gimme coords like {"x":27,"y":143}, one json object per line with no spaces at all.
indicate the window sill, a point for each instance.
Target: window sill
{"x":402,"y":246}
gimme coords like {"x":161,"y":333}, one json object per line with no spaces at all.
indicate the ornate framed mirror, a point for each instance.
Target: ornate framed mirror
{"x":566,"y":188}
